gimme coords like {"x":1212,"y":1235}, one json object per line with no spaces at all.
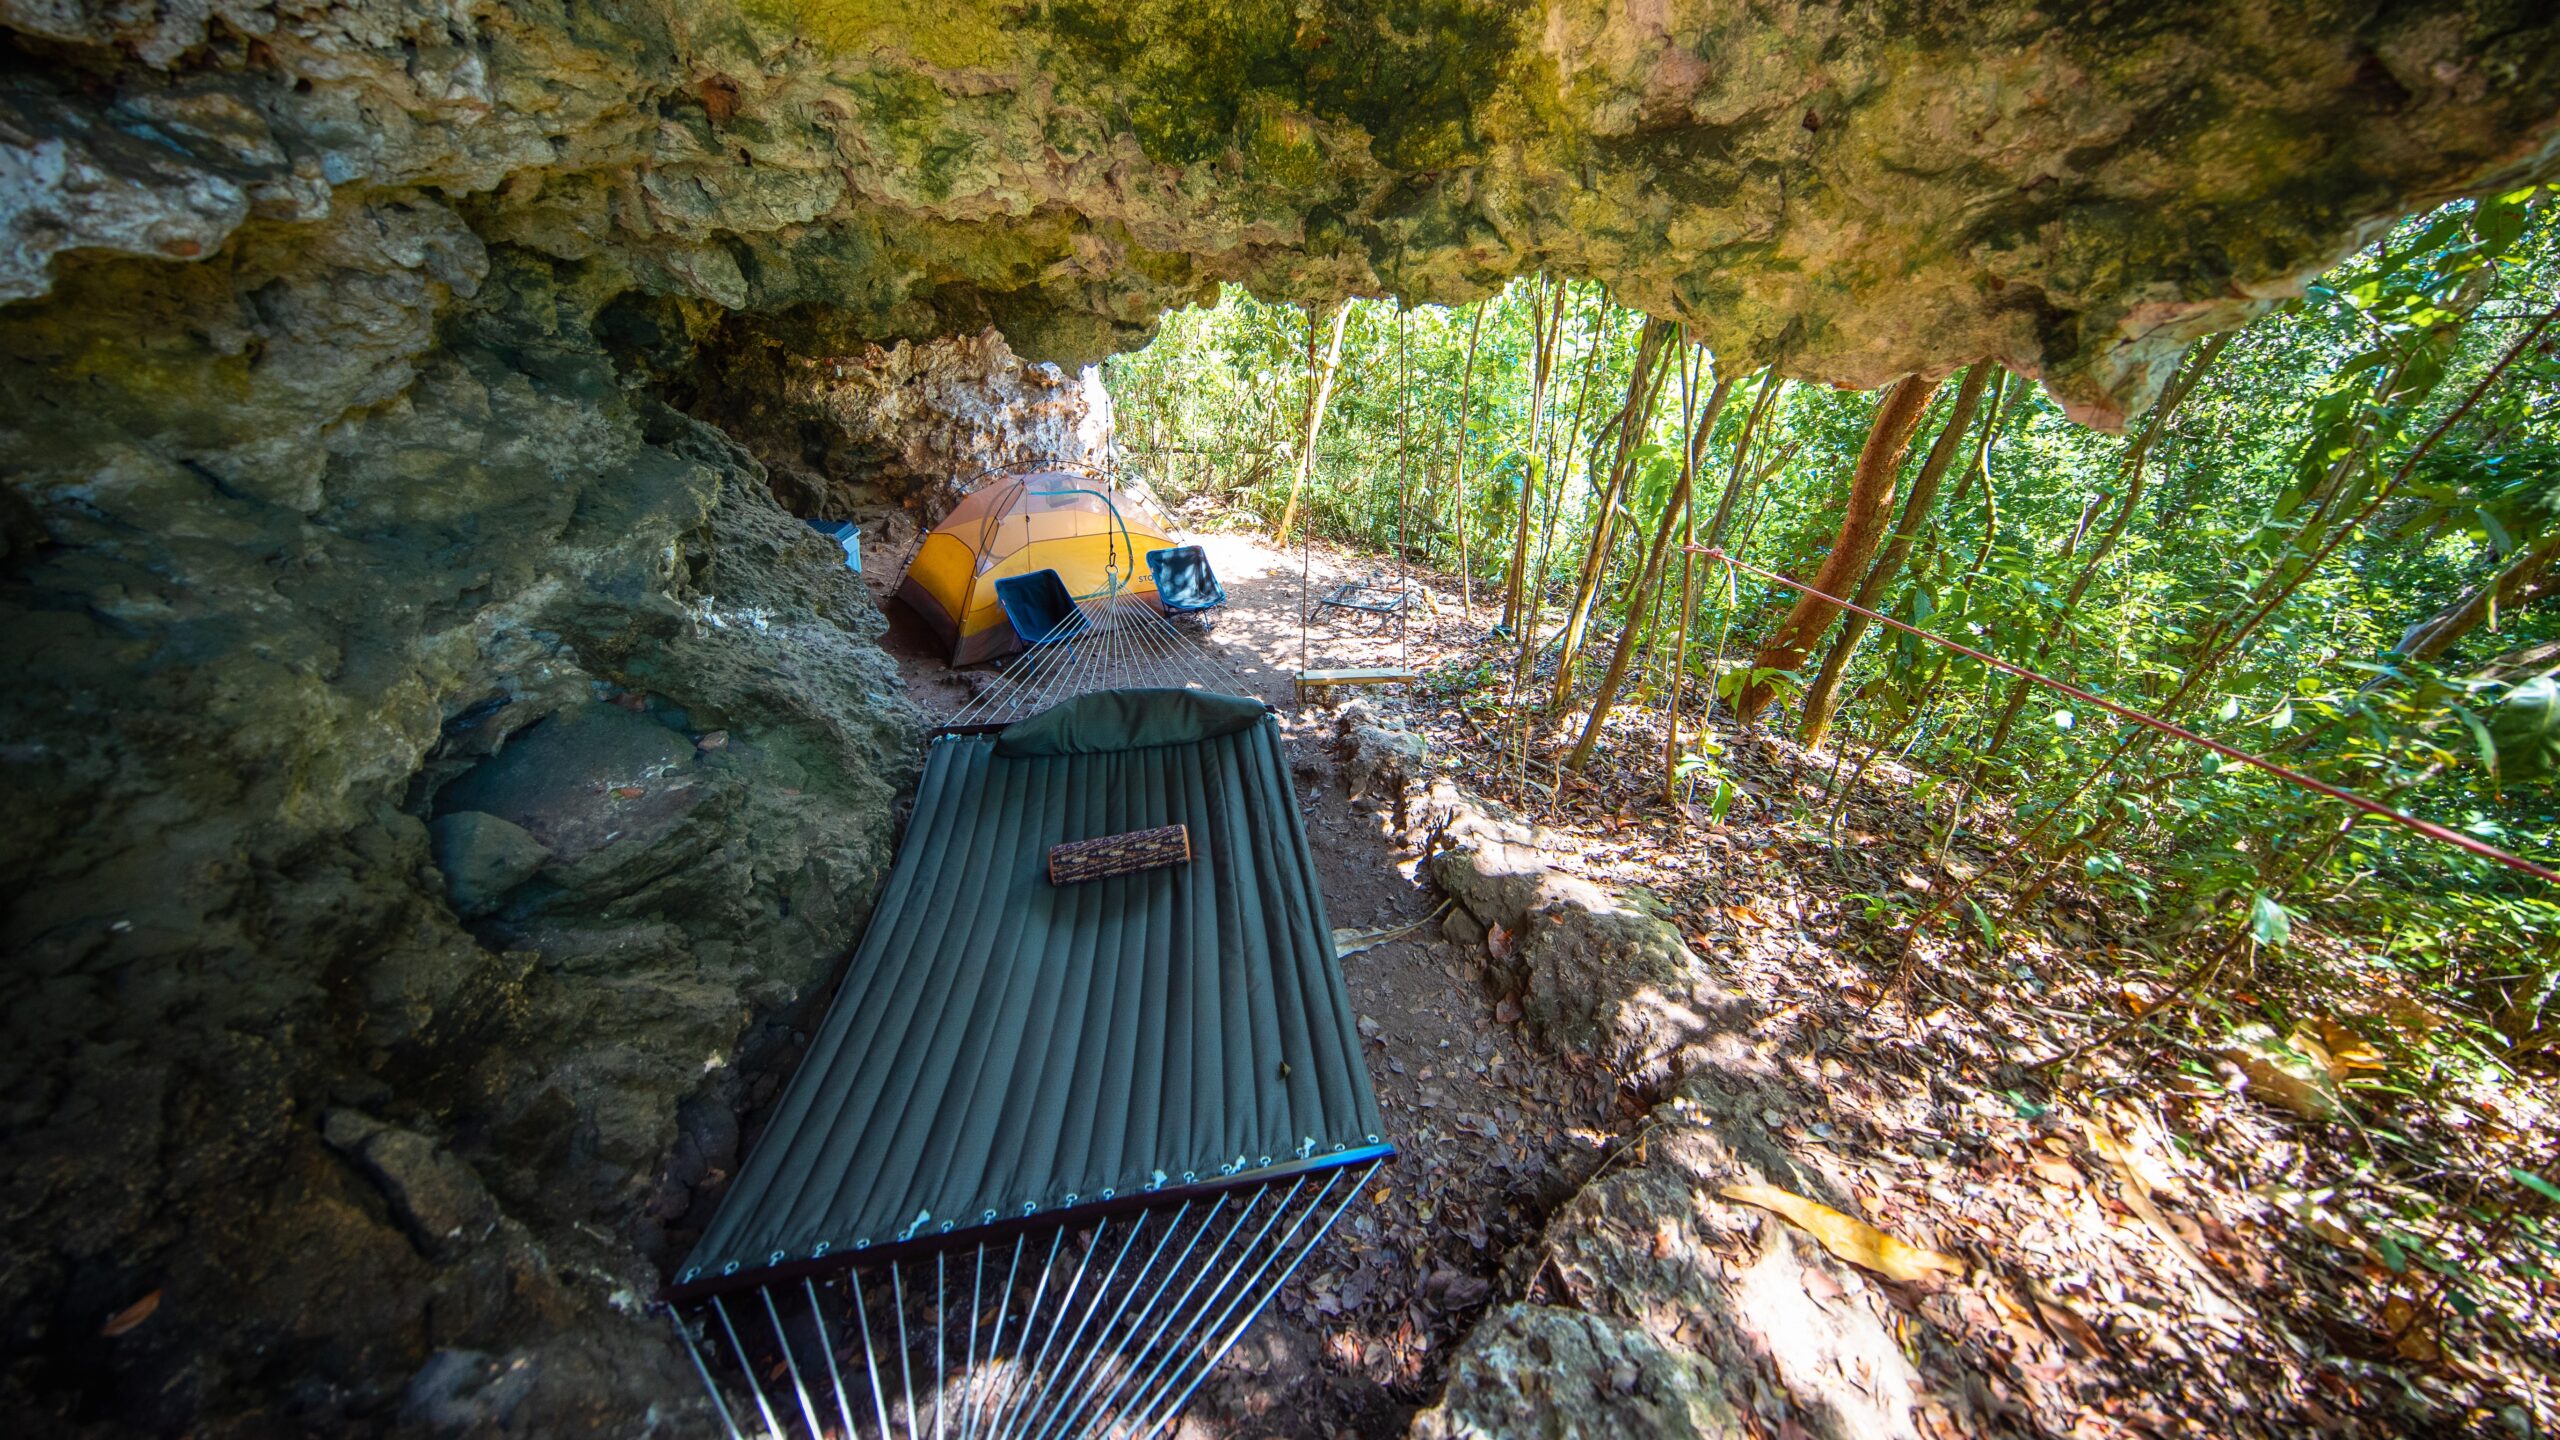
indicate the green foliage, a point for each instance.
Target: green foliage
{"x":2338,"y":479}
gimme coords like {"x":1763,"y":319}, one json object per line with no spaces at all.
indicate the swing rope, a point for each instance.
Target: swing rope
{"x":1404,"y":477}
{"x":1307,"y":521}
{"x":1354,"y":595}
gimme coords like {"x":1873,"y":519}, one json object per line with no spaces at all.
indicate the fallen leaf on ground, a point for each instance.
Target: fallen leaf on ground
{"x":2137,"y":1197}
{"x":2311,"y":1214}
{"x":2056,"y":1171}
{"x":1853,"y":1240}
{"x":130,"y":1316}
{"x":1498,"y":941}
{"x":2410,"y":1335}
{"x":2348,"y":1051}
{"x":2066,"y":1321}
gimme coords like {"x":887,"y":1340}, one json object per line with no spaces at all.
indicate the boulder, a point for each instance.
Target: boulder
{"x":1595,"y":976}
{"x":1670,"y":1323}
{"x":291,"y":624}
{"x":1536,"y":1371}
{"x":1654,"y":1245}
{"x":1378,"y":758}
{"x":483,"y":857}
{"x":437,"y":1198}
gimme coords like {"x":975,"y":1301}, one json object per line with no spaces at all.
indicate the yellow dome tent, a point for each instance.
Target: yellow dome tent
{"x":1093,"y":534}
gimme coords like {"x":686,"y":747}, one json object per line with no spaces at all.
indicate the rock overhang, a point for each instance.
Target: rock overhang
{"x":1856,"y":192}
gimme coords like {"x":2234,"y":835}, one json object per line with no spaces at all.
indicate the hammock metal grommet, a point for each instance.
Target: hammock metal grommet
{"x":1047,"y":1058}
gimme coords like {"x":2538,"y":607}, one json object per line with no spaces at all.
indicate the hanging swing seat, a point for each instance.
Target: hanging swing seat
{"x":1369,"y":597}
{"x":1184,"y":581}
{"x":1312,"y":680}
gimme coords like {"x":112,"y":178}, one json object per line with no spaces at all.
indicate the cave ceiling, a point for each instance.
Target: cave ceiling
{"x":1859,"y":190}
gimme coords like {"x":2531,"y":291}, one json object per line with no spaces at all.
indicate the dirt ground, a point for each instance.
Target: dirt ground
{"x":2153,"y":1250}
{"x":1488,"y":1139}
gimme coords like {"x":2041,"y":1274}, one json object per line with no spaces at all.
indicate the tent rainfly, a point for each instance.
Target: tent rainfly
{"x":1055,"y":1145}
{"x":1094,"y":535}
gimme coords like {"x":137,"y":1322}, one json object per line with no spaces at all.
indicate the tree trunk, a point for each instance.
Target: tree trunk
{"x":1541,"y":366}
{"x":1319,"y":394}
{"x":1458,"y":473}
{"x":1823,"y":699}
{"x":2137,"y":461}
{"x":2522,"y":581}
{"x":1644,"y":394}
{"x":1640,"y":604}
{"x":1560,"y":464}
{"x":1871,"y":489}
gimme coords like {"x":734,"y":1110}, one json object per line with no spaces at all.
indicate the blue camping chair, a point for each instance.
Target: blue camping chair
{"x":1184,"y":581}
{"x":1040,"y":608}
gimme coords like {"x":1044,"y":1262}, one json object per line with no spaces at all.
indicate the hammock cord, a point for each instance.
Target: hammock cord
{"x":1129,"y":1316}
{"x":1116,"y":640}
{"x":1307,"y":521}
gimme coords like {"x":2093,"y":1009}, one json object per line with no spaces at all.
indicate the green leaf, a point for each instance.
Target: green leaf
{"x":1982,"y":922}
{"x":2268,"y":922}
{"x":2499,"y":540}
{"x":2535,"y":1183}
{"x":2392,"y":1255}
{"x":2480,"y":739}
{"x":2526,"y":727}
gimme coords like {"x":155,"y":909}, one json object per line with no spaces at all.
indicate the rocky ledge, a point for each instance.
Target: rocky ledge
{"x":1667,"y":1310}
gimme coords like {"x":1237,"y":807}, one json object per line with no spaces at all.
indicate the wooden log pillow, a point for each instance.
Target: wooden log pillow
{"x":1077,"y":861}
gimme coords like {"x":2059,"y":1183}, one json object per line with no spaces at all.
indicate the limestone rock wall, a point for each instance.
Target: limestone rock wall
{"x":441,"y":773}
{"x":889,"y":436}
{"x":440,"y":778}
{"x":1860,"y":190}
{"x":1668,"y":1312}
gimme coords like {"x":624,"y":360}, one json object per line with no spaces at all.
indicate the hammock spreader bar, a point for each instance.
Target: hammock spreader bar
{"x":1084,"y":1332}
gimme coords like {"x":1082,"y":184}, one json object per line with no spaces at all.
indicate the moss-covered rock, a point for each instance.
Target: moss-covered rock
{"x":1859,"y":190}
{"x":326,"y":541}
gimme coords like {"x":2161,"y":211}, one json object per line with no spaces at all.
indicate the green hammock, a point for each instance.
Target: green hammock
{"x":1054,"y":1146}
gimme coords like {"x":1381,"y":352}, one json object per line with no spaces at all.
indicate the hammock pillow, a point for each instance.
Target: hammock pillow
{"x":1113,"y":720}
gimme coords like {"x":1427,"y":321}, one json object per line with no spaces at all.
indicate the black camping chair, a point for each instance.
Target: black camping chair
{"x":1184,"y":581}
{"x":1041,"y":610}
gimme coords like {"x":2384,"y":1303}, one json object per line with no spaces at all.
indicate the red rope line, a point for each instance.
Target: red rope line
{"x":2376,"y":808}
